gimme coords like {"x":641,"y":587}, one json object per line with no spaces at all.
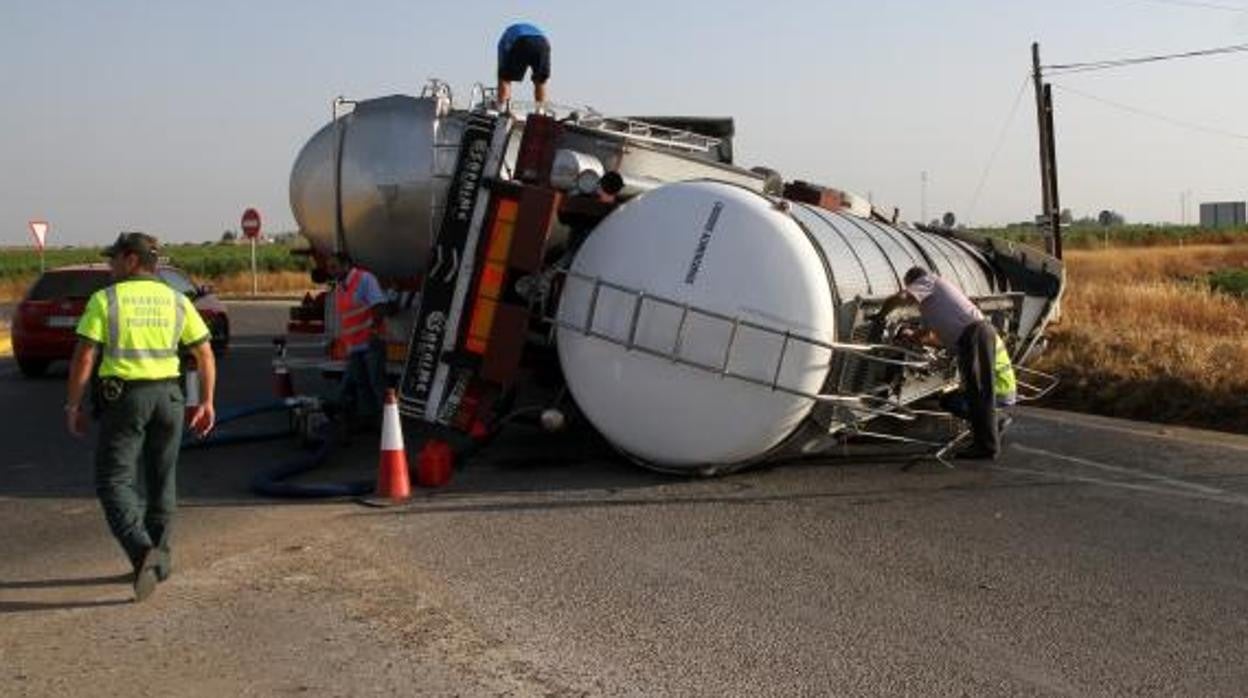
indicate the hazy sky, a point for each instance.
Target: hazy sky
{"x":172,"y":117}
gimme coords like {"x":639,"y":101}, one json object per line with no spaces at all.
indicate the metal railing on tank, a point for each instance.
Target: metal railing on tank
{"x":1032,"y":384}
{"x":734,"y":327}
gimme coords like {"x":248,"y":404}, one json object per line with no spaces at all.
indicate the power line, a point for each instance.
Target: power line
{"x":1065,"y":68}
{"x":1199,"y":5}
{"x":996,"y":150}
{"x":1153,"y":115}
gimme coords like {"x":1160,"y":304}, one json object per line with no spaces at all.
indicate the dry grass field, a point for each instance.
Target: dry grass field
{"x":274,"y":282}
{"x":1143,"y":336}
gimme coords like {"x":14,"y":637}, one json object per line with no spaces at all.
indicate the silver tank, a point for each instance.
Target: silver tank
{"x":397,"y":157}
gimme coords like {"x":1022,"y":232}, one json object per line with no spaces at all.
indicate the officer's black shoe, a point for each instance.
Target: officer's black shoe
{"x":145,"y":574}
{"x":976,"y":453}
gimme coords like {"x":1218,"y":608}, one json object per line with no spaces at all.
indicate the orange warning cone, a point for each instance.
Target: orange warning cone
{"x":392,"y":477}
{"x":434,"y":467}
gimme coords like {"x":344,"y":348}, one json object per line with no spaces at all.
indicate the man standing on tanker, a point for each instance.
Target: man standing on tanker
{"x":523,"y":47}
{"x":361,"y":306}
{"x":139,"y":325}
{"x":961,"y":328}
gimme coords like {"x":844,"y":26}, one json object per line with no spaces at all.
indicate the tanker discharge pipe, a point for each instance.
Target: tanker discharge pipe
{"x":626,"y":187}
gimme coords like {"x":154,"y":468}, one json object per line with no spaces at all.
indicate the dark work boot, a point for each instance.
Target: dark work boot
{"x":976,"y":452}
{"x":145,"y":574}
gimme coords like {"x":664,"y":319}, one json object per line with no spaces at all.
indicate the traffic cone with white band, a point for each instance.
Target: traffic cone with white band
{"x":393,"y":482}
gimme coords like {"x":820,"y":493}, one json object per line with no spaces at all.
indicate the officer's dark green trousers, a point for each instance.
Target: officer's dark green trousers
{"x":135,"y":460}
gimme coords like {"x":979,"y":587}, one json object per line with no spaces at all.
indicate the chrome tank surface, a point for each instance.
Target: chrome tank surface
{"x":868,"y":259}
{"x":397,"y":156}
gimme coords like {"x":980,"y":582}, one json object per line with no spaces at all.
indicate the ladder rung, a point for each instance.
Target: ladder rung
{"x":734,"y":323}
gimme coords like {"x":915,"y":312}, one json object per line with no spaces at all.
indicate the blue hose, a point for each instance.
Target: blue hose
{"x":270,"y":483}
{"x":245,"y":411}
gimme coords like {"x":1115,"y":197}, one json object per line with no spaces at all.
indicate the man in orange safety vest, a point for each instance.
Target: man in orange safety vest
{"x":361,"y":308}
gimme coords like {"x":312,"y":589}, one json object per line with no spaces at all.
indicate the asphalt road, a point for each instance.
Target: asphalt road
{"x":1096,"y":557}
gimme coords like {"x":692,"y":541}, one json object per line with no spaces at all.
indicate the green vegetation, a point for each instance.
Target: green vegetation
{"x":1081,"y":235}
{"x":202,"y":261}
{"x":1232,"y":282}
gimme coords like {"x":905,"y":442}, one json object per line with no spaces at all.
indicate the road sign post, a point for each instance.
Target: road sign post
{"x":39,"y":230}
{"x":251,"y":228}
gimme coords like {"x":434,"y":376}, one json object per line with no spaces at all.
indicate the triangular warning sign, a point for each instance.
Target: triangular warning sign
{"x":40,"y":230}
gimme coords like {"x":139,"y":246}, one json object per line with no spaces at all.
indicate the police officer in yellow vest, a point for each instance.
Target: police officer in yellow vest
{"x":137,"y":326}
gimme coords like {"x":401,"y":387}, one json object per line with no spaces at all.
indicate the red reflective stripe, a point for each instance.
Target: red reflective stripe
{"x":354,"y":316}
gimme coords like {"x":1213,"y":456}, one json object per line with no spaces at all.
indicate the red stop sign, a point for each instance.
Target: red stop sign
{"x":251,"y":223}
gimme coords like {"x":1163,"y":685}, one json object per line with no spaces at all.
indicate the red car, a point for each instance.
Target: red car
{"x":43,"y":326}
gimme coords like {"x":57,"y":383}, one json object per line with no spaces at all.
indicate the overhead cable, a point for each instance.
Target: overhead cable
{"x":1153,"y":115}
{"x":1066,"y":68}
{"x":1197,"y":4}
{"x":996,"y":150}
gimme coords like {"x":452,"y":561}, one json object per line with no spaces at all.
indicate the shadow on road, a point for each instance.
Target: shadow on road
{"x":7,"y":607}
{"x":60,"y":583}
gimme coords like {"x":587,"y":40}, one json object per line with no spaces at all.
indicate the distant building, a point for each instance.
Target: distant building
{"x":1222,"y":214}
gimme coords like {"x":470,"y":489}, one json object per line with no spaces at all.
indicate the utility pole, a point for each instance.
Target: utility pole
{"x":923,"y":197}
{"x":1055,"y":201}
{"x":1050,"y":207}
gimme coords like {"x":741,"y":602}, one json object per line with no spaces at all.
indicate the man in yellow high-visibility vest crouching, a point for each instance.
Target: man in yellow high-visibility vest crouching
{"x":138,"y":326}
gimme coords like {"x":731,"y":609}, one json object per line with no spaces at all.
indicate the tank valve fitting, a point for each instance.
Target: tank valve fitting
{"x":553,"y":420}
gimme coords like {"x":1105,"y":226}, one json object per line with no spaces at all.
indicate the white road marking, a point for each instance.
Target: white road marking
{"x":263,"y":302}
{"x":304,"y":363}
{"x":1230,"y":499}
{"x":1146,"y":429}
{"x":1165,"y":485}
{"x":270,"y":347}
{"x":1174,"y":482}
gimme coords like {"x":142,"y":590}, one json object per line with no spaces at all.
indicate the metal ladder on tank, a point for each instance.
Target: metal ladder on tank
{"x":653,"y":134}
{"x":861,"y":404}
{"x":445,"y":150}
{"x":483,"y":97}
{"x":734,"y":325}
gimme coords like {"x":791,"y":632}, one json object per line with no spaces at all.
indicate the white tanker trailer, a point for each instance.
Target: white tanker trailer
{"x":703,"y":317}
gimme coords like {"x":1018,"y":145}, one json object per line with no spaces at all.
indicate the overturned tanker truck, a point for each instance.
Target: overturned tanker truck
{"x":703,"y":317}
